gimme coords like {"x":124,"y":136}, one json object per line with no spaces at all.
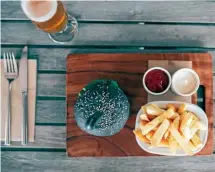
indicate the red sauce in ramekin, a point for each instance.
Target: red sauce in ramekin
{"x":157,"y":81}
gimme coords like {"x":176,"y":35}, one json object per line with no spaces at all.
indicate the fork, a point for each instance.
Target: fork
{"x":11,"y":73}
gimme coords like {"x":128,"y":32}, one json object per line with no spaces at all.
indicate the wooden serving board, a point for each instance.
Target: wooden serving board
{"x":127,"y":70}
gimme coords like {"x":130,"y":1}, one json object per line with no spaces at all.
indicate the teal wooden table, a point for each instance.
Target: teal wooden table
{"x":142,"y":27}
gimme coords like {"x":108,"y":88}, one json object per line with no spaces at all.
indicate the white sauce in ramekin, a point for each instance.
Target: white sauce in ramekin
{"x":185,"y":82}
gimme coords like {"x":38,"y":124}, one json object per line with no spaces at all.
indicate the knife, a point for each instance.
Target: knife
{"x":23,"y":73}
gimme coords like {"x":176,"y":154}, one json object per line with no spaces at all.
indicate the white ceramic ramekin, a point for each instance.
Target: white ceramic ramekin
{"x":158,"y":68}
{"x":177,"y":74}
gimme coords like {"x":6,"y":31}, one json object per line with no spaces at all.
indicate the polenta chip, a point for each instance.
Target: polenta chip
{"x":182,"y":116}
{"x":185,"y":124}
{"x":154,"y":129}
{"x":198,"y":133}
{"x":172,"y":142}
{"x":152,"y":124}
{"x":150,"y":134}
{"x":176,"y":122}
{"x":168,"y":113}
{"x":181,"y":141}
{"x":163,"y":143}
{"x":143,"y":108}
{"x":166,"y":134}
{"x":171,"y":106}
{"x":182,"y":108}
{"x":153,"y":109}
{"x":196,"y":141}
{"x":175,"y":115}
{"x":151,"y":117}
{"x":144,"y":117}
{"x":142,"y":123}
{"x":199,"y":125}
{"x":194,"y":128}
{"x":138,"y":133}
{"x":156,"y":138}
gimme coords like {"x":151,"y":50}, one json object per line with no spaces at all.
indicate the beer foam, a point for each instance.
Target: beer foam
{"x":32,"y":15}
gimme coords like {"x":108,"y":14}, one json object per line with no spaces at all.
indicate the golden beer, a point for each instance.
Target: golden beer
{"x":51,"y":17}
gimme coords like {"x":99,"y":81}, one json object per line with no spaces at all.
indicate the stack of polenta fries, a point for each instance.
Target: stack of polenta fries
{"x":171,"y":127}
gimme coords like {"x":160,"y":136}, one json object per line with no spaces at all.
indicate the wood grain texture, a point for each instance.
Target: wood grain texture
{"x":50,"y":58}
{"x":51,"y":85}
{"x":51,"y":112}
{"x":45,"y":137}
{"x":57,"y":161}
{"x":147,"y":11}
{"x":118,"y":34}
{"x":55,"y":58}
{"x":127,"y":70}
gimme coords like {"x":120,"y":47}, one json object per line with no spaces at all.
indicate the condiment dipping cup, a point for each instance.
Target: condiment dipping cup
{"x":163,"y":71}
{"x":185,"y":82}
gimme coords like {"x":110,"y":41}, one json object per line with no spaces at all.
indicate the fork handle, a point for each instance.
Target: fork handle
{"x":25,"y":118}
{"x":8,"y":118}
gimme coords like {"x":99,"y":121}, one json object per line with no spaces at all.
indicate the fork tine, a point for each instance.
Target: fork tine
{"x":5,"y":63}
{"x":14,"y":63}
{"x":11,"y":63}
{"x":8,"y":63}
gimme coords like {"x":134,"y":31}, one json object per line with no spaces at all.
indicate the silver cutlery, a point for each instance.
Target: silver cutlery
{"x":11,"y":73}
{"x":23,"y":73}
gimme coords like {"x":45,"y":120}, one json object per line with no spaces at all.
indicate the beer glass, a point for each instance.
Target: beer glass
{"x":51,"y":17}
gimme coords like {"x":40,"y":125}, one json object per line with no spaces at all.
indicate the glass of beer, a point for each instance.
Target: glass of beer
{"x":51,"y":17}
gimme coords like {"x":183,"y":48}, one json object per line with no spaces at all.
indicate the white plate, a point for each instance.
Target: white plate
{"x":166,"y":151}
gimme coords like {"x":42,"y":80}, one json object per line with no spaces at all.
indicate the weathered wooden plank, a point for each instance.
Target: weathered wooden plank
{"x":50,"y":58}
{"x":147,"y":11}
{"x":116,"y":34}
{"x":51,"y":112}
{"x":213,"y":59}
{"x":58,"y":161}
{"x":55,"y":58}
{"x":45,"y":137}
{"x":51,"y":85}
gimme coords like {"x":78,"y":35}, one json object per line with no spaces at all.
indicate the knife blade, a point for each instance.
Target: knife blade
{"x":23,"y":73}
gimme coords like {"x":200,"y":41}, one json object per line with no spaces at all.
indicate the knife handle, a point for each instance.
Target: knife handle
{"x":8,"y":119}
{"x":25,"y":118}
